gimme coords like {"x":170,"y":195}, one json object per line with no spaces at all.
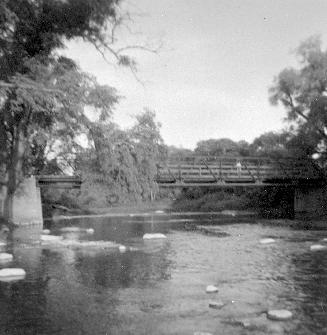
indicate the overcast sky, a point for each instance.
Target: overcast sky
{"x":211,"y":78}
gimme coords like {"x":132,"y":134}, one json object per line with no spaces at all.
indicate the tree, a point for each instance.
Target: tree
{"x":41,"y":93}
{"x":149,"y":151}
{"x":302,"y":92}
{"x":270,"y":144}
{"x":121,"y":165}
{"x":221,"y":147}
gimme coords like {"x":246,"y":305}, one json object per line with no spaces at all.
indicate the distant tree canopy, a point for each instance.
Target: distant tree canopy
{"x":222,"y":147}
{"x":270,"y":144}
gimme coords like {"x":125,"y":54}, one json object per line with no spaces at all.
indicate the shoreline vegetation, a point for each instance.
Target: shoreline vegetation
{"x":272,"y":203}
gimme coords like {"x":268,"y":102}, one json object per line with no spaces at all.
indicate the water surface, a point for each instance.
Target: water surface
{"x":158,"y":287}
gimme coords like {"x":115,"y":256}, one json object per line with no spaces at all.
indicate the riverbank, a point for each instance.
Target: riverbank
{"x":160,"y":205}
{"x":272,"y":202}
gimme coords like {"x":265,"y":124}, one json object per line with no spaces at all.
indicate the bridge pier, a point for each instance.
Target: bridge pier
{"x":310,"y":201}
{"x":27,"y":207}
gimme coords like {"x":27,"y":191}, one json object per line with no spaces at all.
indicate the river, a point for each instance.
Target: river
{"x":159,"y":286}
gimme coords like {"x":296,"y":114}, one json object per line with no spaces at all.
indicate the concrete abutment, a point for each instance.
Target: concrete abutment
{"x":27,"y":206}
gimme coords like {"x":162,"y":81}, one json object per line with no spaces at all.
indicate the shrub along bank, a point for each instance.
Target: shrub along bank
{"x":268,"y":202}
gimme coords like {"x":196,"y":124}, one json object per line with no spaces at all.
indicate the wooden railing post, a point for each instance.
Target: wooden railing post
{"x":220,"y":172}
{"x":258,"y":169}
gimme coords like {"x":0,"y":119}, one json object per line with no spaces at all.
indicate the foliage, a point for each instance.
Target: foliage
{"x":270,"y":144}
{"x":221,"y":147}
{"x":121,"y":165}
{"x":271,"y":202}
{"x":43,"y":97}
{"x":302,"y":92}
{"x":202,"y":199}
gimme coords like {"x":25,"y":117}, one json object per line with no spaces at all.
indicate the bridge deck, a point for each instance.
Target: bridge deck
{"x":220,"y":172}
{"x":59,"y":181}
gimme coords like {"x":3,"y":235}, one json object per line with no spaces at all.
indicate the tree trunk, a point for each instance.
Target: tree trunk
{"x":14,"y":173}
{"x":8,"y":207}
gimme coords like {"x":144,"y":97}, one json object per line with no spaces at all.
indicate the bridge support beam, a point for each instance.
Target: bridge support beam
{"x":310,"y":201}
{"x":27,"y":207}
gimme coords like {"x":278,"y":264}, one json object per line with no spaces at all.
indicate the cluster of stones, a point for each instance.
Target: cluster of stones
{"x":10,"y":274}
{"x":57,"y":240}
{"x":276,"y":315}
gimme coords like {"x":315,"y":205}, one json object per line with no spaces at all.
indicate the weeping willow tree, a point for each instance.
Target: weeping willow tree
{"x":119,"y":166}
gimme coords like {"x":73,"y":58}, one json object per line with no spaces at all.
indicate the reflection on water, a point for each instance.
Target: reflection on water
{"x":159,"y":287}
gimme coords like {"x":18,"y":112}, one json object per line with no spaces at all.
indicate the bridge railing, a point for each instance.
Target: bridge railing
{"x":59,"y":181}
{"x":227,"y":169}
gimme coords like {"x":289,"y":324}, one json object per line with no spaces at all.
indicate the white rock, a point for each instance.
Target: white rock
{"x":86,"y":244}
{"x":279,"y":314}
{"x":216,"y":304}
{"x":50,"y":238}
{"x":211,"y":289}
{"x":70,"y":229}
{"x":4,"y":257}
{"x":2,"y":244}
{"x":11,"y":274}
{"x":89,"y":231}
{"x":267,"y":240}
{"x":202,"y":333}
{"x":153,"y":236}
{"x":122,"y":248}
{"x":324,"y":239}
{"x":45,"y":231}
{"x":318,"y":247}
{"x":159,"y":212}
{"x":246,"y":323}
{"x":229,"y":212}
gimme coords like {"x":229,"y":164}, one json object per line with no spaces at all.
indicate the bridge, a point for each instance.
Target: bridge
{"x":238,"y":171}
{"x":27,"y":207}
{"x":58,"y":181}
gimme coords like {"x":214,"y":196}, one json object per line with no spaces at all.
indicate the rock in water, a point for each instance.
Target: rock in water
{"x":216,"y":304}
{"x":267,"y":240}
{"x":12,"y":274}
{"x":50,"y":238}
{"x":153,"y":236}
{"x":45,"y":231}
{"x":229,"y":212}
{"x":279,"y":314}
{"x":122,"y":248}
{"x":318,"y":247}
{"x":211,"y":289}
{"x":4,"y":257}
{"x":70,"y":229}
{"x":89,"y":231}
{"x":159,"y":212}
{"x":201,"y":333}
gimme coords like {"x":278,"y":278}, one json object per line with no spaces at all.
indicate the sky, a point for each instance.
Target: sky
{"x":218,"y":58}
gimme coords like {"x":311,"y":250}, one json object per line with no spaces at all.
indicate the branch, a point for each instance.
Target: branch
{"x":30,"y":87}
{"x":140,"y":47}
